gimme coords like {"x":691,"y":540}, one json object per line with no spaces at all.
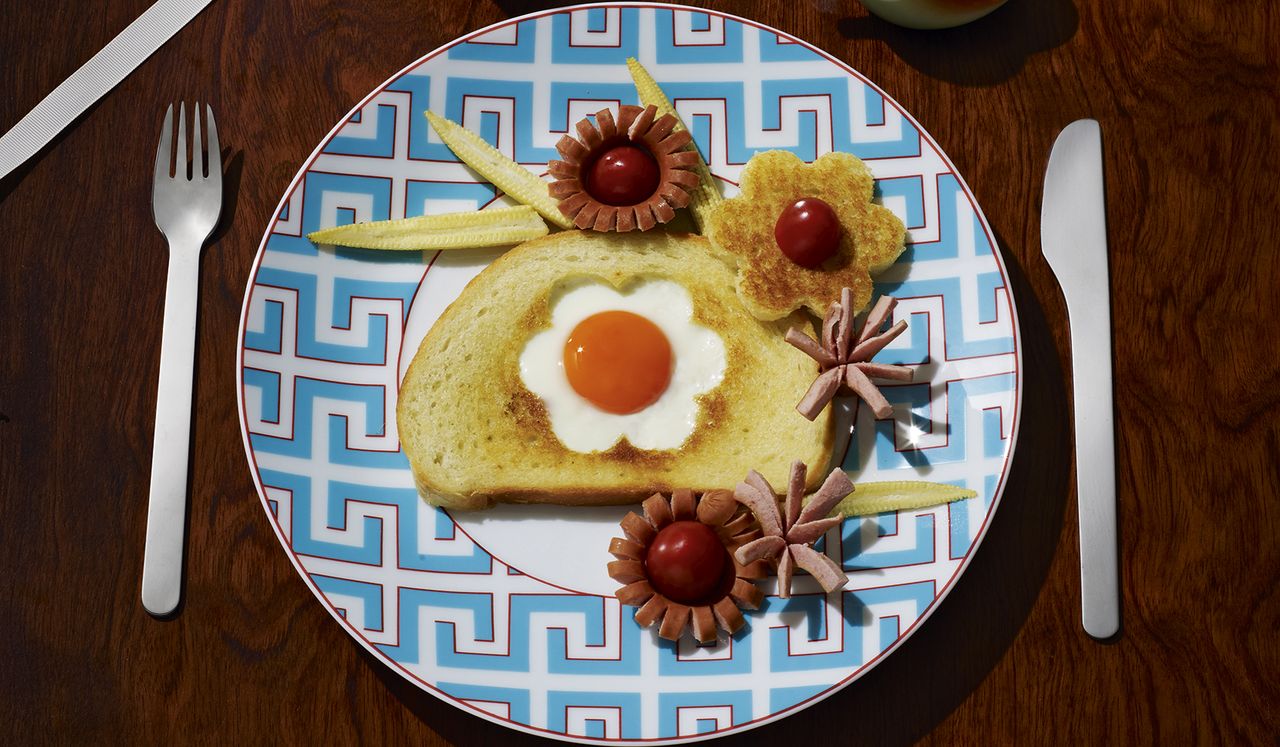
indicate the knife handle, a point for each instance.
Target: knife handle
{"x":1095,"y":468}
{"x":121,"y":56}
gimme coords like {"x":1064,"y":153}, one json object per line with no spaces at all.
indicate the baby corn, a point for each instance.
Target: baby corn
{"x":706,"y":195}
{"x":870,"y":498}
{"x":494,"y":227}
{"x":505,"y":174}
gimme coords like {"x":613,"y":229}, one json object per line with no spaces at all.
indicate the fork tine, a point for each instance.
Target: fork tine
{"x":214,"y":151}
{"x":180,"y":159}
{"x":162,"y":150}
{"x":197,"y":146}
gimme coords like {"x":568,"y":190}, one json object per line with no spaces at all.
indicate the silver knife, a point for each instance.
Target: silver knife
{"x":94,"y":78}
{"x":1073,"y":237}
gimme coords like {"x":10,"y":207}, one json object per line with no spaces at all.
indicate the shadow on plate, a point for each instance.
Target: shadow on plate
{"x":971,"y":629}
{"x":988,"y":51}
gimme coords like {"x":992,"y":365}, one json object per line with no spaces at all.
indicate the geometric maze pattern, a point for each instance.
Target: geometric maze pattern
{"x":323,"y":344}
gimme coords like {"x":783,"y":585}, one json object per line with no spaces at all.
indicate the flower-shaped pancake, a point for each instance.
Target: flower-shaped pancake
{"x":747,"y":229}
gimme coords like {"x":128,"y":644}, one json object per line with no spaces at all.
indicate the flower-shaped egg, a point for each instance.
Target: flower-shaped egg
{"x":616,"y":365}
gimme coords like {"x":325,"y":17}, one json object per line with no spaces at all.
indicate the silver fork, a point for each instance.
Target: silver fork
{"x":186,"y":210}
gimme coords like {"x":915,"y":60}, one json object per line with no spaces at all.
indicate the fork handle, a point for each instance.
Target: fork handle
{"x":167,"y":505}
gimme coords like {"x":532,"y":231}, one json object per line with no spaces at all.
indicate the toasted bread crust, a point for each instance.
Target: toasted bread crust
{"x":770,"y":284}
{"x":475,"y":435}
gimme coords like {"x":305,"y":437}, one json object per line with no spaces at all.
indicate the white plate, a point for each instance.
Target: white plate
{"x":526,"y":633}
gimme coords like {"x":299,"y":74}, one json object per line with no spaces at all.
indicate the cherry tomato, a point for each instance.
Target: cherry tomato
{"x":686,"y":562}
{"x":808,"y":232}
{"x":622,"y":175}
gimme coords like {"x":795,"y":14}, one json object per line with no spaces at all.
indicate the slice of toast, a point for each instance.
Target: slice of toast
{"x":476,"y":435}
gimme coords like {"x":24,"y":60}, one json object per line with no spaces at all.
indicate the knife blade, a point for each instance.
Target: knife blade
{"x":1073,"y":237}
{"x":94,"y":78}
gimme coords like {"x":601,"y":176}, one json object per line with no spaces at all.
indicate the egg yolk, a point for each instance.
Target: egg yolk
{"x":618,"y":361}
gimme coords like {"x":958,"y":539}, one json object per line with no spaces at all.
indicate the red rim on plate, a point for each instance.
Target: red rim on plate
{"x":325,"y":335}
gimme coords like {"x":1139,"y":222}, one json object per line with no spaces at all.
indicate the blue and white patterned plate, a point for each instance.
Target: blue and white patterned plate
{"x":525,"y":633}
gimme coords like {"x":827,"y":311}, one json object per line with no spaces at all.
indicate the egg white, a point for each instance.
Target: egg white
{"x":699,"y":363}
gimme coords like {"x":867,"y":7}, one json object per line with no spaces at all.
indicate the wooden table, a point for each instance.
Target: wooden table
{"x":1186,"y":94}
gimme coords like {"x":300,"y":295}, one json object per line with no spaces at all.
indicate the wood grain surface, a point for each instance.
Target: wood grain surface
{"x":1187,"y":96}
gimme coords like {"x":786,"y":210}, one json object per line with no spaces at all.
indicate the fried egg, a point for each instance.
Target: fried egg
{"x":622,"y":365}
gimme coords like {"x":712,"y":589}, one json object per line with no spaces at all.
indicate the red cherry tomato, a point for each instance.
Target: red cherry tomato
{"x":686,"y":562}
{"x":808,"y":232}
{"x":622,"y":175}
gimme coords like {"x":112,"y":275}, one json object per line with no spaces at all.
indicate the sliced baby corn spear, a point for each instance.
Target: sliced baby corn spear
{"x":870,"y":498}
{"x":706,"y":195}
{"x":505,"y":174}
{"x":495,"y":227}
